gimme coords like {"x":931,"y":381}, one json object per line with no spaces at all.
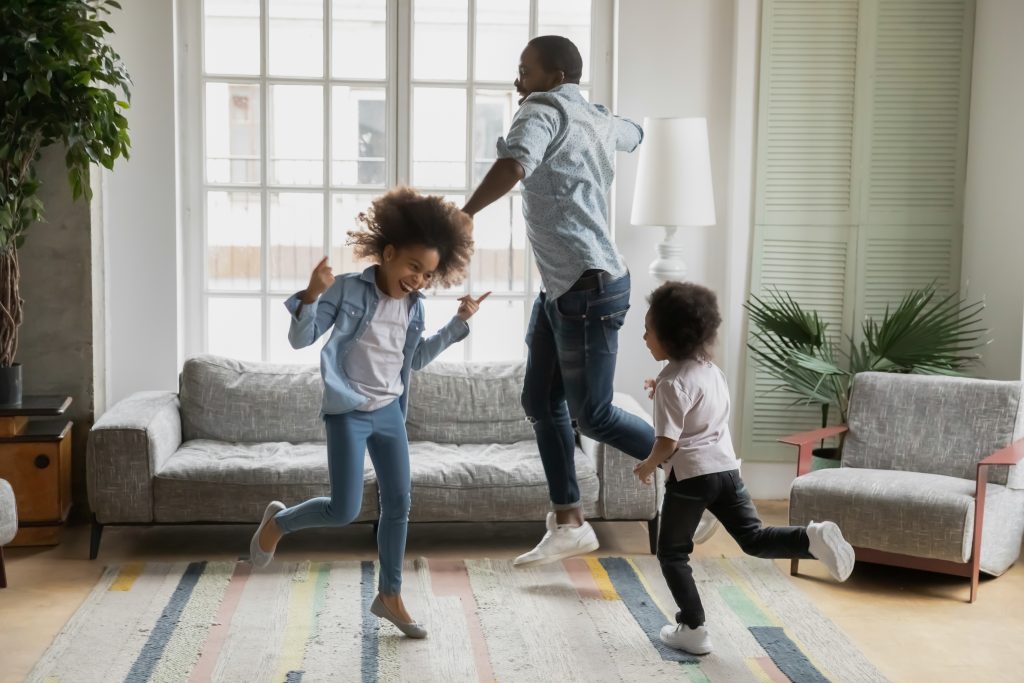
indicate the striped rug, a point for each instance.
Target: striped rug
{"x":589,"y":619}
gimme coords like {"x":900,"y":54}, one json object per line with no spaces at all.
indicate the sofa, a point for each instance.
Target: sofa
{"x":237,"y":435}
{"x":8,"y":524}
{"x":929,"y":478}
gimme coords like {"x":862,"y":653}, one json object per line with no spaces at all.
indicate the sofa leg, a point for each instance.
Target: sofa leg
{"x":3,"y":571}
{"x":794,"y":566}
{"x":652,"y":533}
{"x":974,"y":586}
{"x":94,"y":538}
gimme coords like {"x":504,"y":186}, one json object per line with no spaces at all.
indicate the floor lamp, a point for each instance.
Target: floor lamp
{"x":673,"y":189}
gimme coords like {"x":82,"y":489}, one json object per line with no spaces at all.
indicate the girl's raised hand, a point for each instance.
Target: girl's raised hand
{"x":320,"y":280}
{"x":468,"y":305}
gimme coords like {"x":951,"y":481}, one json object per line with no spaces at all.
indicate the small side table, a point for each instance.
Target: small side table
{"x":35,"y":457}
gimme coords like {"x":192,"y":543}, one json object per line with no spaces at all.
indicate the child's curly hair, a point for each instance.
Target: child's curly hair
{"x":403,"y":217}
{"x":685,"y":319}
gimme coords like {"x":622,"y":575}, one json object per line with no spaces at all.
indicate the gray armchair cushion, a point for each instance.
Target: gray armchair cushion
{"x":223,"y":399}
{"x":468,"y":403}
{"x":940,"y":425}
{"x":912,"y":513}
{"x":8,"y":513}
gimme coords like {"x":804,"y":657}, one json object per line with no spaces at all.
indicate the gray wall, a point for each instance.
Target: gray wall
{"x":56,"y":342}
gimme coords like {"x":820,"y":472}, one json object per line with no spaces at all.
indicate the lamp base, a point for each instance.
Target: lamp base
{"x":669,"y":266}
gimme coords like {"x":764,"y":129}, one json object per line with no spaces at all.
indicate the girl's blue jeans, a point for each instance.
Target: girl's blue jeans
{"x":349,"y":436}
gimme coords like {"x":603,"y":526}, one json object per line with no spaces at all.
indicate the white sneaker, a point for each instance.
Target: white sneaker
{"x":706,"y":528}
{"x":696,"y":641}
{"x":827,"y":544}
{"x":560,"y":541}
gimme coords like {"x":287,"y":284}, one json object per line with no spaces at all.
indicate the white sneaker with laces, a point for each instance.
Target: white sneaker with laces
{"x":706,"y":528}
{"x":696,"y":641}
{"x":560,"y":541}
{"x":826,"y":543}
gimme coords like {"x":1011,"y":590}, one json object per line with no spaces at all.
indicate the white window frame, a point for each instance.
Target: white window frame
{"x":190,"y":105}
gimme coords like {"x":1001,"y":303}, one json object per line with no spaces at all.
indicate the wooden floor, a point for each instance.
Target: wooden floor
{"x":914,"y":626}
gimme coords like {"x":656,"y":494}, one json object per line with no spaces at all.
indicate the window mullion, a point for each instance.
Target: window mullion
{"x":467,"y":352}
{"x":328,"y":92}
{"x":264,"y":171}
{"x":401,"y":74}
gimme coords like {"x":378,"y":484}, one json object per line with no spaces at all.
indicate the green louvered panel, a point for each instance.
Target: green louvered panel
{"x":919,"y":96}
{"x":814,"y":267}
{"x":808,"y":69}
{"x":893,"y":259}
{"x":862,"y":125}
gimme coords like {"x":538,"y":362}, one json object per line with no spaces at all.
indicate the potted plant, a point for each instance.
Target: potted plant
{"x":60,"y":82}
{"x":922,"y":334}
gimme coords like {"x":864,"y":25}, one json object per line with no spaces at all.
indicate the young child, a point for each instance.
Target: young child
{"x":691,"y":425}
{"x":375,"y":319}
{"x":562,"y":148}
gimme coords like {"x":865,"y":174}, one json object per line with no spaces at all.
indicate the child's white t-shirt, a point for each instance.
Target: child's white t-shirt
{"x":691,"y":406}
{"x":373,"y":365}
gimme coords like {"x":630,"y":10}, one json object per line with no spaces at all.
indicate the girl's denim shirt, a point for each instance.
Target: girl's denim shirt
{"x":345,"y":309}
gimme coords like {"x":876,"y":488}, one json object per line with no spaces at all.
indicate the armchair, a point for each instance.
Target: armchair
{"x":930,"y":476}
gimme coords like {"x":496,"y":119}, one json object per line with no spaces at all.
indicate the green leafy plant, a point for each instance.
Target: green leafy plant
{"x":924,"y":333}
{"x":60,"y":82}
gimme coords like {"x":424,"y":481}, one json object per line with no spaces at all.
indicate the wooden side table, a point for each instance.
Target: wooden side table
{"x":35,"y":457}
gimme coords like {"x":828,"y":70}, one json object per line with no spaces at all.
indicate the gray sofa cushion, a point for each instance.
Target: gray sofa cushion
{"x":8,"y":513}
{"x":912,"y":513}
{"x":229,"y":400}
{"x":232,"y":482}
{"x":488,"y":482}
{"x":941,"y":425}
{"x":468,"y":403}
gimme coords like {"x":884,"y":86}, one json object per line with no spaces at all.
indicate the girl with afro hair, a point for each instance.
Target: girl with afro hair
{"x":375,"y":320}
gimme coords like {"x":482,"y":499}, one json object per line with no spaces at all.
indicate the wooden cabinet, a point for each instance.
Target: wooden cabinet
{"x":35,"y":457}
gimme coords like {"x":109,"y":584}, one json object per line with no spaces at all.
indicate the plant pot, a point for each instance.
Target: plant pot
{"x":824,"y":458}
{"x":10,"y":385}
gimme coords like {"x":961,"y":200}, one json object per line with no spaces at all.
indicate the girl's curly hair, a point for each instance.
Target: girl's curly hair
{"x":685,"y":319}
{"x":403,"y":218}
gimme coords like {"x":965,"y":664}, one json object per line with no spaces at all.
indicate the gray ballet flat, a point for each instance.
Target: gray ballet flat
{"x":257,"y":556}
{"x":411,"y":629}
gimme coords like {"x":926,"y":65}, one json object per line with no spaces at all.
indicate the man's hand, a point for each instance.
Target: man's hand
{"x":469,"y":305}
{"x":319,"y":281}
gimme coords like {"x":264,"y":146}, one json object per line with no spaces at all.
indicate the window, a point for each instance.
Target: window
{"x":306,"y":110}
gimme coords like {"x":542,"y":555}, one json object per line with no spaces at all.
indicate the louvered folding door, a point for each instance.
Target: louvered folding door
{"x":860,"y":169}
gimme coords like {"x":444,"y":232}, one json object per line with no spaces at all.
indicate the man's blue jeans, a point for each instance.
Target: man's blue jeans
{"x":349,"y":436}
{"x":572,"y":343}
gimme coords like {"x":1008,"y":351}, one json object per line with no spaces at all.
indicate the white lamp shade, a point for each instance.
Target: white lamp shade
{"x":673,"y":178}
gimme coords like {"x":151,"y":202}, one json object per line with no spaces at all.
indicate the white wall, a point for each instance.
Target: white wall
{"x":993,"y":249}
{"x":139,"y":212}
{"x":695,"y":58}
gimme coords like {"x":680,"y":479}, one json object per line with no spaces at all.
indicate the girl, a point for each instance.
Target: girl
{"x":376,"y":323}
{"x":691,"y":426}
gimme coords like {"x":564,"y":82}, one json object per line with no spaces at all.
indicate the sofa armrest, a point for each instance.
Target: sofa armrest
{"x":127,"y":446}
{"x":623,"y":496}
{"x":804,"y":441}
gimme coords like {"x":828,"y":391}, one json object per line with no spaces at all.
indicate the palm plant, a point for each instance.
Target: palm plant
{"x":924,"y":333}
